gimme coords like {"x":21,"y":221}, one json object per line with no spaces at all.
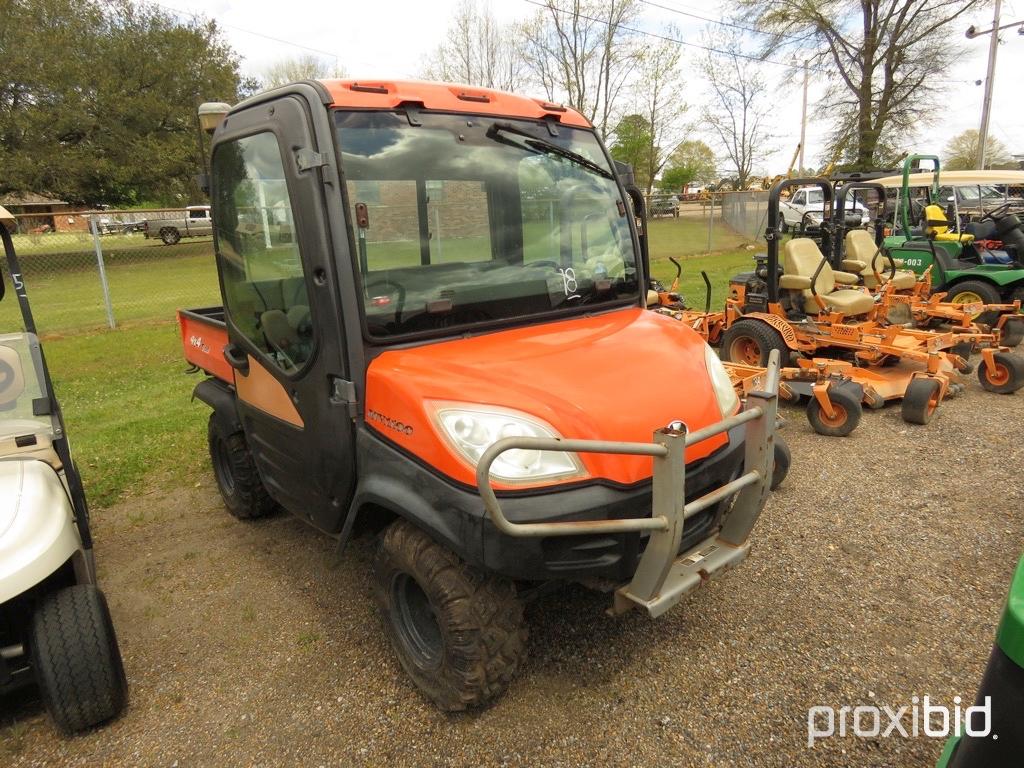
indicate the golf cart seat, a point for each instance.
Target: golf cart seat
{"x":937,"y":226}
{"x":860,"y":246}
{"x":21,"y":438}
{"x":801,"y":258}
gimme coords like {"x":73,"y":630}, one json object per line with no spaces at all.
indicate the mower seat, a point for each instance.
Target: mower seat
{"x":801,"y":258}
{"x":860,"y":246}
{"x":937,"y":226}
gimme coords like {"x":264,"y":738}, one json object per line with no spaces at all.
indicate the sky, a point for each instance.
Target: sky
{"x":391,"y":38}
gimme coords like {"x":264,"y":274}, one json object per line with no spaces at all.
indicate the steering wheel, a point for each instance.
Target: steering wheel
{"x":394,"y":287}
{"x":997,"y":212}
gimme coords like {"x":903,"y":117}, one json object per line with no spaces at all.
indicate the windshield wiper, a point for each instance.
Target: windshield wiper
{"x":544,"y":147}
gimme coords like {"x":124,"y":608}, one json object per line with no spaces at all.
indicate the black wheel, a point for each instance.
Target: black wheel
{"x":973,"y":291}
{"x":76,"y":660}
{"x":458,"y":633}
{"x":964,"y":349}
{"x":751,"y":341}
{"x":783,"y":458}
{"x":1012,"y":333}
{"x":237,"y":477}
{"x":783,"y":226}
{"x":920,"y":400}
{"x":170,"y":235}
{"x":847,"y":410}
{"x":1005,"y":377}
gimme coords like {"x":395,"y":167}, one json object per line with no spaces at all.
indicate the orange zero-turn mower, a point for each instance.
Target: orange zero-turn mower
{"x":806,"y":307}
{"x":905,"y":297}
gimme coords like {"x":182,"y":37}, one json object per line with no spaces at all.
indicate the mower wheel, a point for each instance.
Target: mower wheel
{"x":458,"y":633}
{"x":847,"y":411}
{"x":1005,"y":377}
{"x":783,"y":458}
{"x":751,"y":342}
{"x":920,"y":400}
{"x":1013,"y":333}
{"x":971,"y":291}
{"x":237,"y":477}
{"x":170,"y":235}
{"x":76,"y":659}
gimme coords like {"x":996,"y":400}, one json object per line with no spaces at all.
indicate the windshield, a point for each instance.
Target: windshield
{"x":21,"y":385}
{"x":462,"y":220}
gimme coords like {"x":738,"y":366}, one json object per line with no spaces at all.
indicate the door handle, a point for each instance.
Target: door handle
{"x":237,"y":358}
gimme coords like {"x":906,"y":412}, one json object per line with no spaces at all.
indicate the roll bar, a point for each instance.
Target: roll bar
{"x":772,"y":234}
{"x":842,"y":193}
{"x":933,"y":192}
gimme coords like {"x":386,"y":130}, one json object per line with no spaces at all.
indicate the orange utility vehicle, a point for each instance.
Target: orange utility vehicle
{"x":434,"y":326}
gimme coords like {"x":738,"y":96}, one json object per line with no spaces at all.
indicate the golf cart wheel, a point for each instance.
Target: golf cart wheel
{"x":973,"y":291}
{"x":751,"y":342}
{"x":1005,"y":377}
{"x":76,"y":659}
{"x":782,"y":460}
{"x":237,"y":477}
{"x":458,"y":633}
{"x":847,"y":411}
{"x":170,"y":235}
{"x":920,"y":400}
{"x":1012,"y":333}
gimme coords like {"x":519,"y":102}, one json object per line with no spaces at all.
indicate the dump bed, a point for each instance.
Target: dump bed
{"x":203,"y":337}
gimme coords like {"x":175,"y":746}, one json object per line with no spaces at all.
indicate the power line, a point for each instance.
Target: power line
{"x":720,"y":22}
{"x":677,"y":41}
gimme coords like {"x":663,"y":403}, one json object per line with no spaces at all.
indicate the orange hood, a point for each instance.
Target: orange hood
{"x":615,"y":376}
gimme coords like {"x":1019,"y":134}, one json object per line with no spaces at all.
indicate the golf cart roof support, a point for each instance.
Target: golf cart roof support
{"x":772,"y":234}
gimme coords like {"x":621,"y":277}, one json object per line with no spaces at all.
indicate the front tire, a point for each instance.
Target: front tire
{"x":238,"y":480}
{"x":458,"y":633}
{"x":76,"y":659}
{"x":1005,"y":377}
{"x":751,"y":342}
{"x":970,"y":291}
{"x":920,"y":400}
{"x":782,"y":461}
{"x":170,"y":235}
{"x":846,"y":413}
{"x":1012,"y":333}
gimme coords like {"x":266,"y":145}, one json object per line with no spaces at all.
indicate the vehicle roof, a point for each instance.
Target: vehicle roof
{"x":190,"y":207}
{"x":955,"y":178}
{"x":446,"y":97}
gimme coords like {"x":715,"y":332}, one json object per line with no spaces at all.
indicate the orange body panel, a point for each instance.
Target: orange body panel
{"x":446,"y":97}
{"x":261,"y":390}
{"x":204,"y":342}
{"x":614,"y":376}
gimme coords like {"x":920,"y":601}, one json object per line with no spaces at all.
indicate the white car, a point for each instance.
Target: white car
{"x":810,"y":202}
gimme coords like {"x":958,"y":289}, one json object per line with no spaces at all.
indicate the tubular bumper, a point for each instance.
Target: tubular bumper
{"x":663,"y":576}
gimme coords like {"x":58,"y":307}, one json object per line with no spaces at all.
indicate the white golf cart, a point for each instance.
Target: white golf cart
{"x":55,"y":627}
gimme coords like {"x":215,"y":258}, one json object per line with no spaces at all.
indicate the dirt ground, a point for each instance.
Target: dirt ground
{"x":878,"y":573}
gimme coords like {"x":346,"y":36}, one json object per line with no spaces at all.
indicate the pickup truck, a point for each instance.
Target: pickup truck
{"x":807,"y":202}
{"x":195,"y":223}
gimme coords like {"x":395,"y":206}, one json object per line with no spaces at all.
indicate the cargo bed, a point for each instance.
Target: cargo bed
{"x":204,"y":335}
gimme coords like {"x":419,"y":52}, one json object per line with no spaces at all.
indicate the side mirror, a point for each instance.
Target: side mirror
{"x":625,"y":173}
{"x":212,"y":114}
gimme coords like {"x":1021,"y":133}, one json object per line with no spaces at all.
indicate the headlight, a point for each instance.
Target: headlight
{"x":471,"y":430}
{"x":725,"y":392}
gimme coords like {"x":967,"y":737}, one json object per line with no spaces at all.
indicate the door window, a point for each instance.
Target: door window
{"x":264,"y":284}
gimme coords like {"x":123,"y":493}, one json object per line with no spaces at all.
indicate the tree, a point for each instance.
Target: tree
{"x":961,"y":152}
{"x":883,"y":61}
{"x":633,"y":141}
{"x":691,"y":162}
{"x":306,"y":66}
{"x":584,"y":51}
{"x":657,"y":91}
{"x":737,"y":108}
{"x":98,"y":122}
{"x":478,"y":50}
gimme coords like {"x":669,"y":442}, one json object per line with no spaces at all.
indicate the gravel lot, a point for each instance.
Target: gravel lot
{"x":878,"y":573}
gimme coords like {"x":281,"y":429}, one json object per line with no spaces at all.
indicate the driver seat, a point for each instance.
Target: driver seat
{"x":801,"y":258}
{"x":937,"y":226}
{"x":860,"y":246}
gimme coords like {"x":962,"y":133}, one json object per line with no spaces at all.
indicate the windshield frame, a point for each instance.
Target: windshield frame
{"x":544,"y":125}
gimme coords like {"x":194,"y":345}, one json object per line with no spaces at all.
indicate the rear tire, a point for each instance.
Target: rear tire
{"x":1012,"y":333}
{"x":751,"y":341}
{"x":847,"y":413}
{"x":170,"y":235}
{"x":782,"y":460}
{"x":458,"y":633}
{"x":238,"y":480}
{"x":1005,"y":377}
{"x":980,"y":290}
{"x":76,"y":660}
{"x":920,"y":400}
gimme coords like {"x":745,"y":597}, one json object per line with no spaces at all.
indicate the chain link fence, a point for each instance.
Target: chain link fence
{"x":113,"y":268}
{"x":746,"y":212}
{"x":726,"y":219}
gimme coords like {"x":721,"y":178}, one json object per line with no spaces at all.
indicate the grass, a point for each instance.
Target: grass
{"x":125,"y":392}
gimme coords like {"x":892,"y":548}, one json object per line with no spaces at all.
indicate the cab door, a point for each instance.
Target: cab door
{"x":284,"y":323}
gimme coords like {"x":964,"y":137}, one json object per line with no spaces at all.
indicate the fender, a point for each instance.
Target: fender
{"x":221,"y":398}
{"x":780,"y":325}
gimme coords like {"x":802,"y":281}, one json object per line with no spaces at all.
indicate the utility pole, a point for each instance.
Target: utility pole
{"x":803,"y":123}
{"x":986,"y":106}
